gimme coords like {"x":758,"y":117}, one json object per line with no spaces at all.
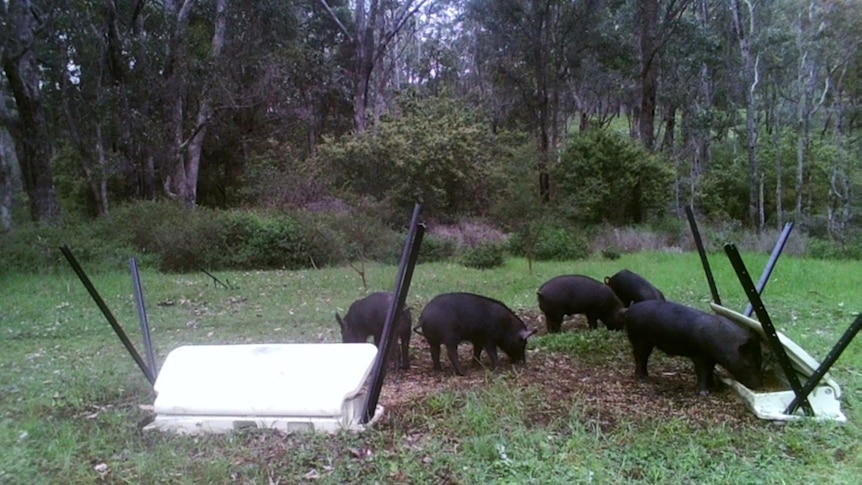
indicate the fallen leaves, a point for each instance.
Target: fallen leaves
{"x":605,"y":393}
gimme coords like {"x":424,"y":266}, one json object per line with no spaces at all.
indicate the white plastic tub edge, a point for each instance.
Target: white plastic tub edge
{"x":771,"y":405}
{"x":195,"y":425}
{"x":291,"y":387}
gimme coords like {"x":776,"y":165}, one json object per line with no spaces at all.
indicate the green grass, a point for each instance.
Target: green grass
{"x":69,"y":393}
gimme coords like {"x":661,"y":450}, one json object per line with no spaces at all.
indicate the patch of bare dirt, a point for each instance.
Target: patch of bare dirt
{"x":600,"y":389}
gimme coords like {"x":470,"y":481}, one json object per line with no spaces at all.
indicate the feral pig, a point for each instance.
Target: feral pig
{"x":705,"y":338}
{"x":366,"y":317}
{"x":578,"y":294}
{"x":631,"y":287}
{"x":452,"y":318}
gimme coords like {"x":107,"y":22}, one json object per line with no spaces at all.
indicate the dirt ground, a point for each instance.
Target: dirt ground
{"x":607,"y":392}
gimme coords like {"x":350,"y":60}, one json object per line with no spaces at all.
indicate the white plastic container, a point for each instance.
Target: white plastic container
{"x":219,"y":388}
{"x":772,"y":404}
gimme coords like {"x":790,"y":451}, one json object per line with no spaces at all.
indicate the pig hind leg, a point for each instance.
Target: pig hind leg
{"x":452,"y":350}
{"x":435,"y":355}
{"x":554,"y":321}
{"x":491,"y":350}
{"x":477,"y":353}
{"x":704,"y":368}
{"x":642,"y":350}
{"x":405,"y":353}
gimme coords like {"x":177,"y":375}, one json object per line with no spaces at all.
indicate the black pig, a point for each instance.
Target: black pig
{"x":632,"y":287}
{"x":577,"y":294}
{"x":366,"y":317}
{"x":705,"y":338}
{"x":452,"y":318}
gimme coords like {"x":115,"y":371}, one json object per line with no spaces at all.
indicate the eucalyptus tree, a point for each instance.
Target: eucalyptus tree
{"x":28,"y":123}
{"x":690,"y":59}
{"x":370,"y":31}
{"x":7,"y":178}
{"x":744,"y":18}
{"x":840,"y":53}
{"x":531,"y":49}
{"x":98,"y":92}
{"x":184,"y":140}
{"x":656,"y":23}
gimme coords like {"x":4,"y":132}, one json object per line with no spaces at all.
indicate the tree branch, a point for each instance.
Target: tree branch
{"x":337,"y":20}
{"x":400,"y":19}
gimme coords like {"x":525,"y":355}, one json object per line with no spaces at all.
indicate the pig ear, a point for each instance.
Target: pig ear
{"x":341,"y":322}
{"x":525,"y":334}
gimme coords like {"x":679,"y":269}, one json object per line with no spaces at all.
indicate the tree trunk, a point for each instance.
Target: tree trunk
{"x":750,"y":81}
{"x":183,"y":154}
{"x":174,"y":92}
{"x":807,"y":106}
{"x":30,"y":130}
{"x":667,"y":143}
{"x":368,"y":47}
{"x":840,"y":170}
{"x":364,"y":62}
{"x":541,"y":70}
{"x":6,"y":185}
{"x":779,"y":189}
{"x":196,"y":142}
{"x":648,"y":49}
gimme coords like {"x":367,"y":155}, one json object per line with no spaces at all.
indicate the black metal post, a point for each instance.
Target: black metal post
{"x":107,"y":312}
{"x":409,"y":254}
{"x":702,"y":252}
{"x":770,"y":265}
{"x":142,"y":316}
{"x":830,"y":359}
{"x":768,"y":327}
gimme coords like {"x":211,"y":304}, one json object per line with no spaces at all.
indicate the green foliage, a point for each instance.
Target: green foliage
{"x":546,"y":241}
{"x":561,"y":244}
{"x":36,"y":247}
{"x":604,"y":177}
{"x":277,"y":176}
{"x":71,"y":394}
{"x":360,"y":233}
{"x":213,"y":240}
{"x":435,"y":248}
{"x":517,"y":202}
{"x":611,"y":253}
{"x":484,"y":256}
{"x":436,"y":153}
{"x":825,"y":249}
{"x":723,"y":190}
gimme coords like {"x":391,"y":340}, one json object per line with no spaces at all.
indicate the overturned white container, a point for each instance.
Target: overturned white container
{"x":291,"y":387}
{"x":771,"y":404}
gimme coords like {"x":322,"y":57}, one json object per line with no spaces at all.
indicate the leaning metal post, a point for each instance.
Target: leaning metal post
{"x":702,"y":252}
{"x":107,"y":312}
{"x":768,"y":328}
{"x":770,"y":265}
{"x":402,"y":286}
{"x":830,"y":359}
{"x":142,"y":316}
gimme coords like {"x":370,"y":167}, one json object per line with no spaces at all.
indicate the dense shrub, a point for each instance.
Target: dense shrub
{"x":432,"y":250}
{"x":357,"y":234}
{"x":826,"y":249}
{"x":605,"y":177}
{"x":436,"y":153}
{"x":723,"y":190}
{"x":36,"y":247}
{"x":544,"y":242}
{"x":557,"y":244}
{"x":484,"y":256}
{"x":272,"y":242}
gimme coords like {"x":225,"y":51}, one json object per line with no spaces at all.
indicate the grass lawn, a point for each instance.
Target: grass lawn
{"x":70,"y":394}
